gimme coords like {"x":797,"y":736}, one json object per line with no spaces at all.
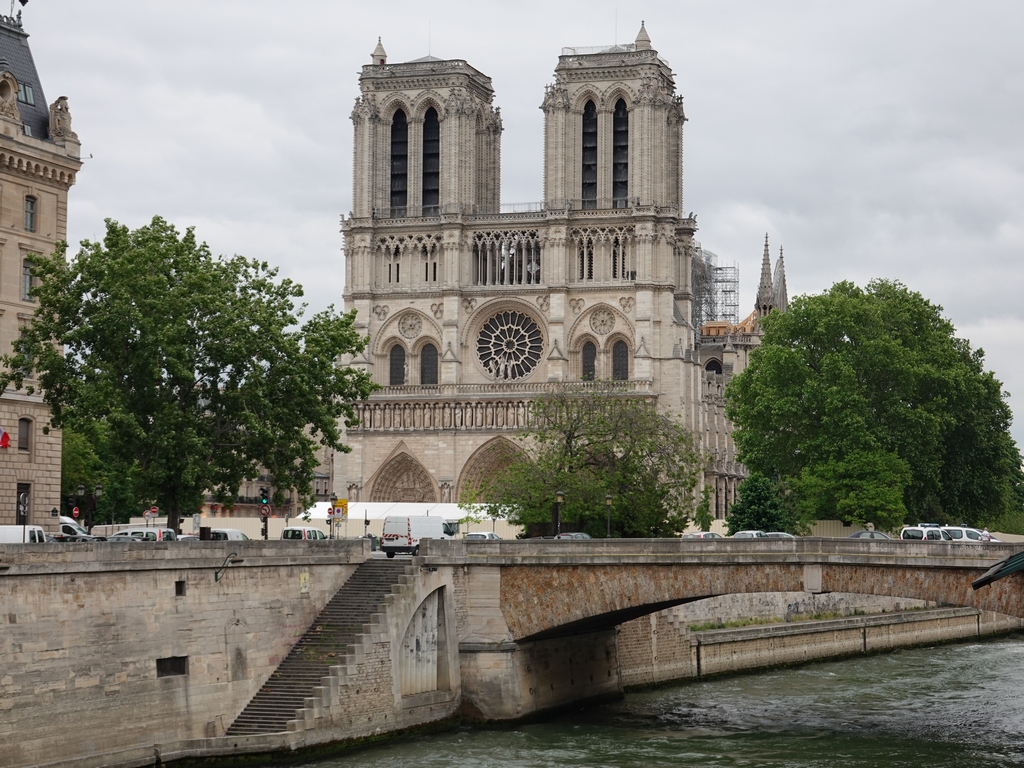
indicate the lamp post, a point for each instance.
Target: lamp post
{"x":98,"y":492}
{"x":334,"y":505}
{"x":78,"y":499}
{"x":559,"y":498}
{"x":608,"y":506}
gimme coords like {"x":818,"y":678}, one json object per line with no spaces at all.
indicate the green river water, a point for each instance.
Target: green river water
{"x":955,"y":705}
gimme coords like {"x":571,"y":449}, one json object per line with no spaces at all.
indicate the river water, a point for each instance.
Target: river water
{"x":959,"y":706}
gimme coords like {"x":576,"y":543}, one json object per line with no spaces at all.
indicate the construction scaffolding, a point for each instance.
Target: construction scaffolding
{"x":716,"y":290}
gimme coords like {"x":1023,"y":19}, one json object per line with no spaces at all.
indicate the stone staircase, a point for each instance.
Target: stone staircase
{"x":331,"y":641}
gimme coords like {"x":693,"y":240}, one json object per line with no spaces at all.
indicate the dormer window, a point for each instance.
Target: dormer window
{"x":26,"y":129}
{"x":26,"y":95}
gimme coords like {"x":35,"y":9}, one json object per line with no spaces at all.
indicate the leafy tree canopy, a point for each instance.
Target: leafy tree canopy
{"x":194,"y":369}
{"x":759,"y":508}
{"x":591,"y":442}
{"x":869,"y":408}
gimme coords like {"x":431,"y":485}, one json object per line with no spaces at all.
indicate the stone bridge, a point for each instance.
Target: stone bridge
{"x":539,"y":621}
{"x":166,"y":644}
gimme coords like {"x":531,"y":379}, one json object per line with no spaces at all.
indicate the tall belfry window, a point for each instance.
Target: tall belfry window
{"x":431,"y":163}
{"x":589,"y":188}
{"x":620,"y":361}
{"x":399,"y":163}
{"x":620,"y":155}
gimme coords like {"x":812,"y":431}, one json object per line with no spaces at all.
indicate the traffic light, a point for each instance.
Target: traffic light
{"x":264,"y":496}
{"x":265,"y":530}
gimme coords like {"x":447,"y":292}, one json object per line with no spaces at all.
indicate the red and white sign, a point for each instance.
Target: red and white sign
{"x":74,"y":512}
{"x":264,"y":510}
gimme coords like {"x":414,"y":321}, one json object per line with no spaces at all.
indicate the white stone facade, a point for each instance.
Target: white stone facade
{"x":471,"y":309}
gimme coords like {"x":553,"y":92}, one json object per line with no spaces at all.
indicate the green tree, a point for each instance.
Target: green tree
{"x":865,"y":404}
{"x":759,"y":508}
{"x":589,"y":442}
{"x":702,"y":517}
{"x":195,"y":368}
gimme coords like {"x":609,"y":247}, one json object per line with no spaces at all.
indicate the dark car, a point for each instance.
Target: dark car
{"x":869,"y":535}
{"x":60,"y":537}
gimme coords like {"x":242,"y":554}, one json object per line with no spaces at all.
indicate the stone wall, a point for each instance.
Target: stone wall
{"x":656,"y":648}
{"x":82,"y":628}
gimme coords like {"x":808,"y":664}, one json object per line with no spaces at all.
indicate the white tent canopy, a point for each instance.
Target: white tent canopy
{"x":367,"y":510}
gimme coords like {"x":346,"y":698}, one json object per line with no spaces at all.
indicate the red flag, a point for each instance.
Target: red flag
{"x":5,"y":438}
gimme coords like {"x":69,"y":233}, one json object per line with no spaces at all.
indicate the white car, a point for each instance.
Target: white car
{"x":964,"y":534}
{"x":143,"y":534}
{"x":924,"y":533}
{"x":483,"y":536}
{"x":231,"y":534}
{"x":750,"y":535}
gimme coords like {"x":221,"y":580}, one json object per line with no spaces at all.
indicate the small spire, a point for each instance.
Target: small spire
{"x":643,"y":40}
{"x":765,"y":290}
{"x":379,"y":55}
{"x":779,"y":285}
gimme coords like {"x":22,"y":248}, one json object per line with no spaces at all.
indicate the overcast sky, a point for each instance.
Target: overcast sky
{"x":870,"y":139}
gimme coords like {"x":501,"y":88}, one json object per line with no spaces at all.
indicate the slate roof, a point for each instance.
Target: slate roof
{"x":16,"y":56}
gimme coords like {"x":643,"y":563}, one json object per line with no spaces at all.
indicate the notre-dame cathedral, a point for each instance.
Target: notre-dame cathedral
{"x":473,"y":308}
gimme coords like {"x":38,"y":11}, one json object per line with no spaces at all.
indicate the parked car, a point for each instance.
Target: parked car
{"x":69,"y":537}
{"x":869,"y":535}
{"x":780,"y":535}
{"x":402,"y":533}
{"x":69,"y":527}
{"x":228,"y":534}
{"x":573,"y":535}
{"x":302,"y":533}
{"x":750,"y":535}
{"x":483,"y":536}
{"x":966,"y":535}
{"x":702,"y":535}
{"x":924,"y":533}
{"x":143,"y":534}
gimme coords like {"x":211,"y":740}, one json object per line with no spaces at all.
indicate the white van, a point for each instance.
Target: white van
{"x":403,"y":533}
{"x":302,"y":533}
{"x":229,"y":534}
{"x":143,"y":534}
{"x":22,"y":534}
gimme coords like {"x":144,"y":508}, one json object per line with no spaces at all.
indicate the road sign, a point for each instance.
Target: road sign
{"x":342,"y":509}
{"x":153,"y":510}
{"x":264,"y":510}
{"x":75,"y":512}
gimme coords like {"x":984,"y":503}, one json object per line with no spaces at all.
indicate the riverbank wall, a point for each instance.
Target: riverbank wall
{"x":658,"y":648}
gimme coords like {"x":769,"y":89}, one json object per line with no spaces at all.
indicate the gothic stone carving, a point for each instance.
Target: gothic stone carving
{"x":60,"y":120}
{"x":469,"y":304}
{"x":9,"y":97}
{"x":627,"y":303}
{"x":509,"y":346}
{"x":381,"y":311}
{"x":438,"y":310}
{"x":576,"y":305}
{"x":410,"y":325}
{"x":543,"y":302}
{"x":602,"y":321}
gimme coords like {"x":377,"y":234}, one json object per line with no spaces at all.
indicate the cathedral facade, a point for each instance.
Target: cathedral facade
{"x":473,"y":309}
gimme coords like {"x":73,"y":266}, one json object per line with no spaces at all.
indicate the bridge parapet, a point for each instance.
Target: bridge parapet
{"x":805,"y":550}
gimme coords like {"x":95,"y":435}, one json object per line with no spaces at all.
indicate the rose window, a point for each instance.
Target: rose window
{"x":509,"y":345}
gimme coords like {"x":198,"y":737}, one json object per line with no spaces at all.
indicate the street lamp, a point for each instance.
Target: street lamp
{"x":608,"y":505}
{"x":78,"y":499}
{"x":99,"y":492}
{"x":334,"y":506}
{"x":559,"y":498}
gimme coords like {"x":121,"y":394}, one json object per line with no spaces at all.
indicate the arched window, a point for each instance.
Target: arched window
{"x":397,"y":368}
{"x":589,"y":359}
{"x":399,"y":163}
{"x":428,"y":364}
{"x":24,"y":434}
{"x":620,"y":361}
{"x":713,"y":366}
{"x":431,"y":163}
{"x":588,"y":193}
{"x":620,"y":155}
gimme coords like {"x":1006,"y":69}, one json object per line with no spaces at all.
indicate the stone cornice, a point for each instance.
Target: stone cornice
{"x":27,"y":162}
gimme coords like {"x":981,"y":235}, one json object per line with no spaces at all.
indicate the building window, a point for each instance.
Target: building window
{"x":620,"y":361}
{"x":428,"y":365}
{"x":173,"y":665}
{"x":585,"y":257}
{"x":397,"y":366}
{"x":24,"y":491}
{"x":589,"y":361}
{"x":26,"y":95}
{"x":620,"y":155}
{"x":713,"y":366}
{"x":30,"y":214}
{"x":26,"y":129}
{"x":431,"y":163}
{"x":27,"y":280}
{"x":589,"y":188}
{"x":399,"y":163}
{"x":179,"y":589}
{"x":24,"y":434}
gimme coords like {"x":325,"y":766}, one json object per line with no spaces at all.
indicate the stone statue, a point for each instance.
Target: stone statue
{"x":60,"y":120}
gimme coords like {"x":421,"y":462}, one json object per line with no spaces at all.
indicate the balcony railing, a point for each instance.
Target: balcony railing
{"x":603,"y":204}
